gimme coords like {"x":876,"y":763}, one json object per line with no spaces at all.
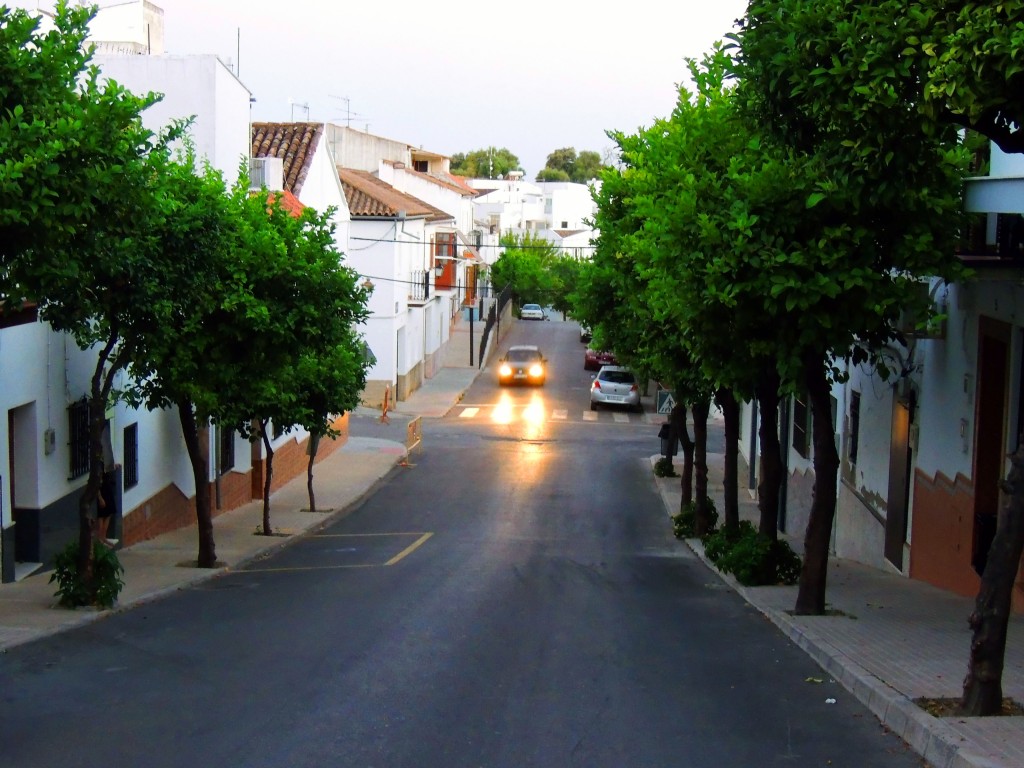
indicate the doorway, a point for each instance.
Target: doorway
{"x":898,"y":498}
{"x":989,"y":434}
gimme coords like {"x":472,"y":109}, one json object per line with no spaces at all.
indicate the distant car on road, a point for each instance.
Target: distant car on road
{"x":615,"y":385}
{"x":593,"y":359}
{"x":532,"y":312}
{"x":585,"y":333}
{"x":523,"y":364}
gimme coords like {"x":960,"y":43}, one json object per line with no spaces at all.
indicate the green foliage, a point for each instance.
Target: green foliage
{"x":663,"y":467}
{"x":684,"y":521}
{"x":752,"y":558}
{"x":489,"y":163}
{"x":552,"y":174}
{"x":74,"y":590}
{"x":526,"y":264}
{"x":565,"y":165}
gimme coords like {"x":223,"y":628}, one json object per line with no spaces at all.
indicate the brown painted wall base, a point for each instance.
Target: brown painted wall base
{"x":170,"y":509}
{"x":942,"y":536}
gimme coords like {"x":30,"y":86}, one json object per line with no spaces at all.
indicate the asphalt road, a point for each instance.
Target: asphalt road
{"x":513,"y":599}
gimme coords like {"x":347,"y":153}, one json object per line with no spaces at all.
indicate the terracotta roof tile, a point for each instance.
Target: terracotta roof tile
{"x":289,"y":202}
{"x":368,"y":196}
{"x":293,"y":143}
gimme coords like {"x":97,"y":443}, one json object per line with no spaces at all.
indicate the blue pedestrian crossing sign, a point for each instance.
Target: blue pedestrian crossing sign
{"x":666,"y":401}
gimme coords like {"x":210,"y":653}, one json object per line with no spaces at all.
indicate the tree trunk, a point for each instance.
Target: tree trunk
{"x":983,"y":687}
{"x":730,"y":477}
{"x":107,"y":365}
{"x":702,"y":517}
{"x":314,"y":446}
{"x":197,"y":455}
{"x":810,"y":599}
{"x":268,"y":479}
{"x":681,"y":433}
{"x":771,"y":457}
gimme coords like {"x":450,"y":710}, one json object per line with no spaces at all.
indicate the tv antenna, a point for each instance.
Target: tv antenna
{"x":349,"y":114}
{"x":293,"y":104}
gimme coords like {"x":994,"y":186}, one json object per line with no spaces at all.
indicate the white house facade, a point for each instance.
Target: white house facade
{"x":922,"y":453}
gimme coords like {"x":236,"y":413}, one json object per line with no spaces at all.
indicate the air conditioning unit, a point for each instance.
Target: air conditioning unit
{"x":266,"y":172}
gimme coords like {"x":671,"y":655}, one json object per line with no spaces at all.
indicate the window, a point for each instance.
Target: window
{"x":78,"y":429}
{"x":423,"y":166}
{"x":565,"y":225}
{"x":801,"y":425}
{"x":854,"y":426}
{"x":227,"y":449}
{"x":131,"y":456}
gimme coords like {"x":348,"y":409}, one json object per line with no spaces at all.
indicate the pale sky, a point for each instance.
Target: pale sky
{"x":458,"y":75}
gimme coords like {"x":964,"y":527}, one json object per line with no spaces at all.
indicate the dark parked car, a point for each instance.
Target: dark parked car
{"x":593,"y":359}
{"x":522,"y":364}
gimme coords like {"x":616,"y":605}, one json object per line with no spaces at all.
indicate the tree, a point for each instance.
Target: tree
{"x":308,"y":362}
{"x":588,"y":166}
{"x":488,"y":163}
{"x":185,"y":360}
{"x":552,"y":174}
{"x":82,"y":200}
{"x":565,"y":165}
{"x":525,"y":264}
{"x":881,"y":210}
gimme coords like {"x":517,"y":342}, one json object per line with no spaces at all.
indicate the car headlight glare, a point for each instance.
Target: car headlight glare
{"x":505,"y":370}
{"x":536,"y":370}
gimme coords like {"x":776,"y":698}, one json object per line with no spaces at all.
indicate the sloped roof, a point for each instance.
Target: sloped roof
{"x":444,"y":180}
{"x":368,"y":196}
{"x":293,"y":143}
{"x":289,"y":202}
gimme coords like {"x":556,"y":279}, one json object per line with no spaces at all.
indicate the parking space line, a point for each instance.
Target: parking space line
{"x":410,"y":549}
{"x":421,"y":539}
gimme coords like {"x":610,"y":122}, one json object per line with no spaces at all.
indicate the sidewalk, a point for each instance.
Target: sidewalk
{"x":159,"y":566}
{"x":896,"y":640}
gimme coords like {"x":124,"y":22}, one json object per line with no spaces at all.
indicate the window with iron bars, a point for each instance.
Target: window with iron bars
{"x":78,"y":441}
{"x":131,"y":456}
{"x":227,"y":449}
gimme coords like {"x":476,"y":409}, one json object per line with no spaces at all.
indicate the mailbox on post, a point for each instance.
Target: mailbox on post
{"x":668,"y":444}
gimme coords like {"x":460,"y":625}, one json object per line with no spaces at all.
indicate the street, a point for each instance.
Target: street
{"x":513,"y":598}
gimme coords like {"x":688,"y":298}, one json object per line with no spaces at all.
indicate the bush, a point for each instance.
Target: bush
{"x":73,"y":592}
{"x":663,"y":467}
{"x":753,"y":559}
{"x":684,"y":522}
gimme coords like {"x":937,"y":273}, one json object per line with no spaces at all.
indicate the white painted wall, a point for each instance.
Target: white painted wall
{"x":128,"y":27}
{"x":200,"y":86}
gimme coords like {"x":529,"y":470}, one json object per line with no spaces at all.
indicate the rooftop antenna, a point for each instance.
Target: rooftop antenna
{"x":304,"y":106}
{"x":349,"y":114}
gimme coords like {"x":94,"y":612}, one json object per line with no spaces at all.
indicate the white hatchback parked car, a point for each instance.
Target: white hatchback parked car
{"x":615,"y":385}
{"x":532,"y":312}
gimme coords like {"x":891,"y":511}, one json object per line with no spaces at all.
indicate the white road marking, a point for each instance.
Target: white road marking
{"x":622,"y":418}
{"x":560,"y":415}
{"x":590,"y":415}
{"x":469,"y":413}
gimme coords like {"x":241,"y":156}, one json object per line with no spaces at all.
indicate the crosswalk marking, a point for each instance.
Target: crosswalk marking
{"x":505,"y":413}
